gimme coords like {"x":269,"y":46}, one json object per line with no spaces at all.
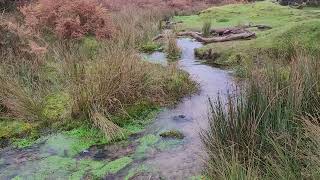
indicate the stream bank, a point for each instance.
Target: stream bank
{"x":143,"y":156}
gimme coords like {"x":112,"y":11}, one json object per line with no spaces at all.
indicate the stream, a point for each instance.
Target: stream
{"x":146,"y":156}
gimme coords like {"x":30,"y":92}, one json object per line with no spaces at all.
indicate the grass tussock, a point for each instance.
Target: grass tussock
{"x":270,"y":131}
{"x":173,"y":50}
{"x":206,"y":27}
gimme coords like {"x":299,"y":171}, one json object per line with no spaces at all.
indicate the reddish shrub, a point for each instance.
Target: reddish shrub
{"x":69,"y":19}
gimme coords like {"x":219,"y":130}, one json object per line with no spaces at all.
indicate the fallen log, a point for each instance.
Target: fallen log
{"x":230,"y":30}
{"x":230,"y":37}
{"x":238,"y":29}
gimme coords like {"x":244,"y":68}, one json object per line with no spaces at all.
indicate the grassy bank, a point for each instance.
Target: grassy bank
{"x":290,"y":27}
{"x":268,"y":129}
{"x":64,"y":76}
{"x":271,"y":130}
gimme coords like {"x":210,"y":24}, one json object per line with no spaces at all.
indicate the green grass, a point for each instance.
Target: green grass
{"x":288,"y":25}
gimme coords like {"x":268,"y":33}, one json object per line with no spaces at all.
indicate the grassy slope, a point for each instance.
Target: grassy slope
{"x":302,"y":26}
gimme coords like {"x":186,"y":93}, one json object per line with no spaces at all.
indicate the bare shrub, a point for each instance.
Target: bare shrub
{"x":69,"y":19}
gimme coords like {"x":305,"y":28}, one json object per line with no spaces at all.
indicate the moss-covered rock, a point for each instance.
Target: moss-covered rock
{"x":56,"y":106}
{"x":150,"y":47}
{"x":172,"y":134}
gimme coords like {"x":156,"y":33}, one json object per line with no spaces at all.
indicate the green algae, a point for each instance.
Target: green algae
{"x":112,"y":167}
{"x":136,"y":170}
{"x":56,"y":167}
{"x":168,"y":144}
{"x":72,"y":142}
{"x":147,"y":142}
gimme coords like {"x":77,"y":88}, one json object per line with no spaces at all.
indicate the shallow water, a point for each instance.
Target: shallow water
{"x":145,"y":156}
{"x":189,"y":116}
{"x":156,"y":57}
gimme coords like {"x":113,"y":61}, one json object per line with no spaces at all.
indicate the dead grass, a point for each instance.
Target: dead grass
{"x":270,"y":130}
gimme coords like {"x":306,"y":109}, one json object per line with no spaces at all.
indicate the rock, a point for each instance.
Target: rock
{"x":181,"y":118}
{"x":207,"y":55}
{"x":175,"y":134}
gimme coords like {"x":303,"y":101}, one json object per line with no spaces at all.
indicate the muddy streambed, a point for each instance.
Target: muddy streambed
{"x":144,"y":156}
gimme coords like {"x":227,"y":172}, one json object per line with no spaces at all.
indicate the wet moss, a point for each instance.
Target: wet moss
{"x":56,"y":167}
{"x":17,"y":132}
{"x":168,"y":144}
{"x":140,"y":113}
{"x":24,"y":142}
{"x":112,"y":167}
{"x":172,"y":134}
{"x":146,"y":143}
{"x":136,"y":170}
{"x":150,"y":47}
{"x":72,"y":142}
{"x":56,"y":106}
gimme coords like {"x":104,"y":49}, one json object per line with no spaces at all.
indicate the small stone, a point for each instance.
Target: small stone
{"x":182,"y":116}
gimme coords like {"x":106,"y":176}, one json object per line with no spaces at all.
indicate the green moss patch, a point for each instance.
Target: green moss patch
{"x":16,"y":132}
{"x":14,"y":128}
{"x":168,"y":144}
{"x":56,"y":106}
{"x":172,"y":134}
{"x":112,"y":167}
{"x":72,"y":142}
{"x":136,"y":170}
{"x":136,"y":117}
{"x":56,"y":167}
{"x":146,"y":143}
{"x":150,"y":47}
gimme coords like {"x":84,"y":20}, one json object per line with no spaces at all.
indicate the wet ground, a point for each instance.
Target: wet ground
{"x":144,"y":156}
